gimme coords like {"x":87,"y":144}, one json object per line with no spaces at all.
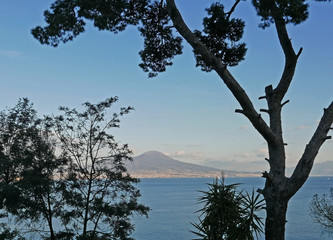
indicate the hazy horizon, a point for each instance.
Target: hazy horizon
{"x":319,"y":169}
{"x":184,"y":113}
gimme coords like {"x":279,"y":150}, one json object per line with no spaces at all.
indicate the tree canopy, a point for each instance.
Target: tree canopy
{"x":66,"y":19}
{"x":216,"y":47}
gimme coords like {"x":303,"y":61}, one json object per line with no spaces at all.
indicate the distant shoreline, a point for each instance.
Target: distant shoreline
{"x":226,"y":175}
{"x":187,"y":177}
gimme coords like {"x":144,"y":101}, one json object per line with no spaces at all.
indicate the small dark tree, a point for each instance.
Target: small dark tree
{"x":322,"y":210}
{"x":84,"y":188}
{"x":216,"y":48}
{"x":97,"y":189}
{"x":28,"y":167}
{"x":228,"y":213}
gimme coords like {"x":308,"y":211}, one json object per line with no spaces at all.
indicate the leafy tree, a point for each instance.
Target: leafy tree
{"x":228,"y":213}
{"x":97,"y":189}
{"x":216,"y":48}
{"x":27,"y":168}
{"x":322,"y":210}
{"x":67,"y":170}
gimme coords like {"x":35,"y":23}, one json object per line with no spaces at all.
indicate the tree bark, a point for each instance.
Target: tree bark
{"x":278,"y":188}
{"x":276,"y":210}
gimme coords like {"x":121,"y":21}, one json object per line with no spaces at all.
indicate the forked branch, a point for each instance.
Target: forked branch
{"x":221,"y":69}
{"x":290,"y":56}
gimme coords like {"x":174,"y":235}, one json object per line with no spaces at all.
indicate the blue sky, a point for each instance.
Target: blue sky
{"x":184,"y":112}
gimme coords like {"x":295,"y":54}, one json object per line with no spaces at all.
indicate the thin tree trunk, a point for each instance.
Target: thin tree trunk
{"x":86,"y":208}
{"x":90,"y":179}
{"x":48,"y":214}
{"x":52,"y":235}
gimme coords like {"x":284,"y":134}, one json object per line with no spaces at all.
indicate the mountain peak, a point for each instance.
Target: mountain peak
{"x":152,"y":154}
{"x":157,"y":164}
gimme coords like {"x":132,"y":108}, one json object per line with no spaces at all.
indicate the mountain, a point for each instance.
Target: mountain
{"x":322,"y":169}
{"x":155,"y":164}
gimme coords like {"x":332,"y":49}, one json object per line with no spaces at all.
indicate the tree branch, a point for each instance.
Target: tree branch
{"x":290,"y":55}
{"x":264,"y":110}
{"x":232,"y":9}
{"x":268,"y":176}
{"x":285,"y":103}
{"x":221,"y":69}
{"x":304,"y":166}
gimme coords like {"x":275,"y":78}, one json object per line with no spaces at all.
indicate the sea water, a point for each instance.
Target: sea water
{"x":174,"y":205}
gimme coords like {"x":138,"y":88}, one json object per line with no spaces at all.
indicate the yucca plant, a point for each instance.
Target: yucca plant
{"x":228,"y":213}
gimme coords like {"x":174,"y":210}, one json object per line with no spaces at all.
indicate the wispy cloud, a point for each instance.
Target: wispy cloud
{"x":12,"y":54}
{"x":186,"y":155}
{"x":244,"y":127}
{"x":242,"y":155}
{"x":171,"y":145}
{"x":298,"y":128}
{"x":194,"y":145}
{"x":262,"y":152}
{"x":233,"y":165}
{"x":302,"y":127}
{"x":257,"y":153}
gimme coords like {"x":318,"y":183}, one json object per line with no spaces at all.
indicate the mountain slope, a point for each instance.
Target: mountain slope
{"x":322,"y":169}
{"x":155,"y":164}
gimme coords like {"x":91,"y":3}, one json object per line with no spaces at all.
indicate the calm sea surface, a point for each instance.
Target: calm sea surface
{"x":174,"y":203}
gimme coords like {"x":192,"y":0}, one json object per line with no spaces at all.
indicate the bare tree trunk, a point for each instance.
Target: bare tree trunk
{"x":50,"y":216}
{"x":276,"y":209}
{"x":276,"y":193}
{"x":278,"y":188}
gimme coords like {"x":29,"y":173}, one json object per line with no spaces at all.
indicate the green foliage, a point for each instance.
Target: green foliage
{"x":221,"y":37}
{"x":113,"y":15}
{"x":228,"y":213}
{"x":67,"y":18}
{"x":321,"y":209}
{"x":290,"y":11}
{"x":160,"y":46}
{"x":68,"y":169}
{"x":221,"y":34}
{"x":64,"y":24}
{"x":27,"y":165}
